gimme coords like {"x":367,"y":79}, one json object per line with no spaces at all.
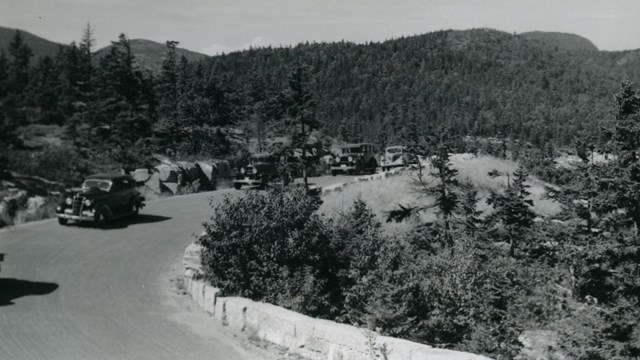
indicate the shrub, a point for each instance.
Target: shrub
{"x":272,"y":247}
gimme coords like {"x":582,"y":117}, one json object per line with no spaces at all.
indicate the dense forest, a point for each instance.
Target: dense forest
{"x":482,"y":83}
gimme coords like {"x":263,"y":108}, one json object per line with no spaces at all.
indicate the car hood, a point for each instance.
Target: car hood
{"x":91,"y":193}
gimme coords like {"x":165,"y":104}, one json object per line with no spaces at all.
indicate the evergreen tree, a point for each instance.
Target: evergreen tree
{"x":513,"y":208}
{"x":44,"y":91}
{"x":299,"y":104}
{"x":19,"y":63}
{"x":622,"y":181}
{"x":447,"y":200}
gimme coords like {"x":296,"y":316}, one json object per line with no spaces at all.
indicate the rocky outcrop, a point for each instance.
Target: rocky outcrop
{"x":24,"y":198}
{"x":171,"y":178}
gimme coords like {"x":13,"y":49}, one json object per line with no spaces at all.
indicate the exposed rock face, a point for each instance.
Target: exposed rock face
{"x":141,"y":175}
{"x":170,"y":178}
{"x":24,"y":197}
{"x":539,"y":345}
{"x":35,"y":203}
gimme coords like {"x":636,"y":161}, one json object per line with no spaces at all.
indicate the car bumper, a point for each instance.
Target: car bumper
{"x":86,"y":215}
{"x":343,"y":167}
{"x":248,"y":182}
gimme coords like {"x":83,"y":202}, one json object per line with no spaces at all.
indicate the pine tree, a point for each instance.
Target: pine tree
{"x":19,"y":63}
{"x":447,"y":200}
{"x":623,"y":176}
{"x":513,"y":208}
{"x":299,"y":104}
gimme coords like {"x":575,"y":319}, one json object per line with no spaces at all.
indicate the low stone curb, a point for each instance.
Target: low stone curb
{"x":305,"y":336}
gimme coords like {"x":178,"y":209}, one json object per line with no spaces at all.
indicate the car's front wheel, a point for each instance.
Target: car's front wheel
{"x":63,"y":221}
{"x":134,"y":208}
{"x":102,"y":218}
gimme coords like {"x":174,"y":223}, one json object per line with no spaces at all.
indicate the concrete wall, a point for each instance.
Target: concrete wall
{"x":300,"y":334}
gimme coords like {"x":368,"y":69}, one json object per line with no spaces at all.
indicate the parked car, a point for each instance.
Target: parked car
{"x":397,"y":156}
{"x":356,"y":159}
{"x":102,"y":198}
{"x":262,"y":169}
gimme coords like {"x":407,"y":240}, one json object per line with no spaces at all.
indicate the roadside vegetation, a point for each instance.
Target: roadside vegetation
{"x":470,"y":280}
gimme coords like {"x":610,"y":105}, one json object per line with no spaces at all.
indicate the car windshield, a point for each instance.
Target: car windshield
{"x":394,"y":150}
{"x":261,"y":159}
{"x":95,"y":183}
{"x":353,"y":150}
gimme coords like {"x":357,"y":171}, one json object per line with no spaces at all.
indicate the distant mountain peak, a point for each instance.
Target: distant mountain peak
{"x":149,"y":54}
{"x":41,"y":47}
{"x":563,"y":41}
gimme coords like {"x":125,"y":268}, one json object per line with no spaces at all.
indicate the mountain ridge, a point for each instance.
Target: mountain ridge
{"x":149,"y":54}
{"x":561,"y":40}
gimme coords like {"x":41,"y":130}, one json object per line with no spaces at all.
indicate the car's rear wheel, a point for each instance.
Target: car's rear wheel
{"x":63,"y":221}
{"x":237,"y":186}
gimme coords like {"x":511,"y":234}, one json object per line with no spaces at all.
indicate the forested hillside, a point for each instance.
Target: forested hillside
{"x":478,"y":82}
{"x":483,"y":83}
{"x":563,"y":41}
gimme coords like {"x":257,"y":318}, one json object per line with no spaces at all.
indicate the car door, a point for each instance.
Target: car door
{"x":118,"y":198}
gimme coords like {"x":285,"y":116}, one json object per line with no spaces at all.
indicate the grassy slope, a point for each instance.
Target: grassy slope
{"x":385,"y":195}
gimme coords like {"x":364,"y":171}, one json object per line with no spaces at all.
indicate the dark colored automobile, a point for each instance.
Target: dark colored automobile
{"x":102,"y":198}
{"x":356,"y":159}
{"x":262,"y":169}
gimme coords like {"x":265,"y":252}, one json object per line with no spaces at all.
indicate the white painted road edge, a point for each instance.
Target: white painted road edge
{"x":300,"y":334}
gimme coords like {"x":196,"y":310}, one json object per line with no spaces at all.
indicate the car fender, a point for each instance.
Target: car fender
{"x":104,"y":207}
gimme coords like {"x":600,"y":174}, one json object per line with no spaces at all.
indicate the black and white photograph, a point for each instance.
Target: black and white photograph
{"x":319,"y":180}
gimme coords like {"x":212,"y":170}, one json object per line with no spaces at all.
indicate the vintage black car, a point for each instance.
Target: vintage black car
{"x":102,"y":198}
{"x":355,"y":159}
{"x":262,"y":169}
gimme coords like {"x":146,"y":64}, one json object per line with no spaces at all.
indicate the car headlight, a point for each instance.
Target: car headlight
{"x":241,"y":170}
{"x":88,"y":202}
{"x":350,"y":159}
{"x":68,"y":201}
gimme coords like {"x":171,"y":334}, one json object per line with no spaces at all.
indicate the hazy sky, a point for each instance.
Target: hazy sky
{"x":211,"y":26}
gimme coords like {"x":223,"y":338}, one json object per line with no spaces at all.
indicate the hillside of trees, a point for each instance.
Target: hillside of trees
{"x":481,"y":83}
{"x":563,"y":41}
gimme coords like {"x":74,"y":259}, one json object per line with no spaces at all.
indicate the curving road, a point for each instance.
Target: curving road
{"x":83,"y":293}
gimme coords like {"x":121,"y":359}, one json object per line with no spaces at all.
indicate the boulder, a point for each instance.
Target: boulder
{"x":223,"y":169}
{"x":5,"y":217}
{"x":169,"y":187}
{"x":168,"y":173}
{"x":153,"y":184}
{"x":141,"y":175}
{"x":191,"y":172}
{"x":206,"y":169}
{"x":539,"y":345}
{"x":35,"y":203}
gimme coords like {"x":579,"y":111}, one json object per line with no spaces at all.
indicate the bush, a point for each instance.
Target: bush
{"x":272,"y":247}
